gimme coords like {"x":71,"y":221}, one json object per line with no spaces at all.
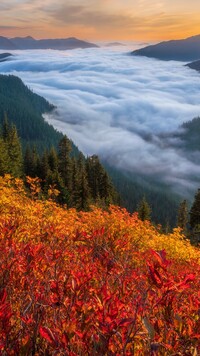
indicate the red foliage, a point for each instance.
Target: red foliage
{"x":89,"y":294}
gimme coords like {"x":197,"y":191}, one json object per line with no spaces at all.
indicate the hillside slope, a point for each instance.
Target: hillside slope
{"x":90,"y":283}
{"x":25,"y":108}
{"x":179,"y":50}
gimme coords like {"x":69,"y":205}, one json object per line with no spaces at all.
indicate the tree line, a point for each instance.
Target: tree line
{"x":80,"y":181}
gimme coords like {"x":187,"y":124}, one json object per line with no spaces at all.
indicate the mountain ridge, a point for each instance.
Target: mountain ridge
{"x":28,"y":42}
{"x":187,"y":49}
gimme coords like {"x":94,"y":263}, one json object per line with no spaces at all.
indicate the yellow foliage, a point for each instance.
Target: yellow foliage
{"x":36,"y":220}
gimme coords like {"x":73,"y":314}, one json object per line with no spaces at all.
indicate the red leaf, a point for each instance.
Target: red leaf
{"x":126,"y":322}
{"x":3,"y":295}
{"x":155,"y":276}
{"x":47,"y":334}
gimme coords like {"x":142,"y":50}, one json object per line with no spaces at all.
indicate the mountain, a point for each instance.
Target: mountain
{"x":5,"y":56}
{"x":194,"y":65}
{"x":7,"y":44}
{"x":115,"y":44}
{"x":25,"y":109}
{"x":179,"y":50}
{"x":23,"y":43}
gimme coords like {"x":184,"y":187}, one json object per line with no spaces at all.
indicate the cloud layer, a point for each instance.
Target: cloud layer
{"x":117,"y":105}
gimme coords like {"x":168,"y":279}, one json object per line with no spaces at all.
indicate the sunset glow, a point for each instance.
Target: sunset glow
{"x":101,"y":19}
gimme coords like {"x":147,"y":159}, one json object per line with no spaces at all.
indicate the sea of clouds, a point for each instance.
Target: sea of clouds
{"x":116,"y":105}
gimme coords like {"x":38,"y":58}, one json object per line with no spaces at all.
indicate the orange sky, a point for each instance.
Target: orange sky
{"x":101,"y":19}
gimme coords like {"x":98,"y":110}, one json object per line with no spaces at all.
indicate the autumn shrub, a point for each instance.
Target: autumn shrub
{"x":92,"y":283}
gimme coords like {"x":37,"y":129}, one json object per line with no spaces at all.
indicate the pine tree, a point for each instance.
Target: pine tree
{"x":32,"y":163}
{"x":84,"y":196}
{"x":53,"y":160}
{"x":44,"y":168}
{"x":5,"y":128}
{"x":75,"y":184}
{"x":65,"y":165}
{"x":144,"y":210}
{"x":4,"y":158}
{"x":182,"y":218}
{"x":14,"y":153}
{"x":195,"y":211}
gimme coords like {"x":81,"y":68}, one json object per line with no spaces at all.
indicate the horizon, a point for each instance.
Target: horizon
{"x":109,"y":40}
{"x":146,"y":20}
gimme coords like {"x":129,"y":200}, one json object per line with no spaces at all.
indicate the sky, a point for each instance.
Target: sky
{"x":96,"y":20}
{"x":118,"y":106}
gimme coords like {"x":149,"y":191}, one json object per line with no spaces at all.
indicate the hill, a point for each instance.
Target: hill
{"x":5,"y":43}
{"x":97,"y":283}
{"x":132,"y":188}
{"x":190,"y":135}
{"x":25,"y":108}
{"x":115,"y":44}
{"x":5,"y":56}
{"x":180,"y":50}
{"x":194,"y":65}
{"x":24,"y":43}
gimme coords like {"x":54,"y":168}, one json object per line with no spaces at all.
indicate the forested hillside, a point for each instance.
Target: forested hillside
{"x":190,"y":135}
{"x":164,"y":204}
{"x":73,"y":180}
{"x":25,"y":108}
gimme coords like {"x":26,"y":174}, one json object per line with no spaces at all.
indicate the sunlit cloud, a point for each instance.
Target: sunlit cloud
{"x":103,"y":19}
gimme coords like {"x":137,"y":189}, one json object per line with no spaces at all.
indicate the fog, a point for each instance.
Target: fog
{"x":116,"y":105}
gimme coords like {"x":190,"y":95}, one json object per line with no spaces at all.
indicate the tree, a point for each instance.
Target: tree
{"x":5,"y":128}
{"x":182,"y":218}
{"x":4,"y":158}
{"x":65,"y":163}
{"x":144,"y":210}
{"x":14,"y":152}
{"x":195,"y":211}
{"x":84,"y":196}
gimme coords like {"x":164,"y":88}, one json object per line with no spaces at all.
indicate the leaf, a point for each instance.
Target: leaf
{"x":3,"y":296}
{"x":126,"y":322}
{"x":47,"y":334}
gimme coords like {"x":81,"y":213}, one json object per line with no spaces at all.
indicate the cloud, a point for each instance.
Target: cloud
{"x":118,"y":106}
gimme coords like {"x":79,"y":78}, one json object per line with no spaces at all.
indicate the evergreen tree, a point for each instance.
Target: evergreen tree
{"x":182,"y":218}
{"x":32,"y":163}
{"x":84,"y":196}
{"x":43,"y":167}
{"x":65,"y":165}
{"x":92,"y":174}
{"x":4,"y":158}
{"x":75,"y":183}
{"x":14,"y":152}
{"x":195,"y":211}
{"x":53,"y":160}
{"x":6,"y":128}
{"x":144,"y":210}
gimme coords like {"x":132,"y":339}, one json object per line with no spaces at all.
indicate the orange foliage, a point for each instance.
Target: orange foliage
{"x":96,"y":283}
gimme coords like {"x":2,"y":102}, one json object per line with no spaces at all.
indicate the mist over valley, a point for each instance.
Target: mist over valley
{"x":123,"y":108}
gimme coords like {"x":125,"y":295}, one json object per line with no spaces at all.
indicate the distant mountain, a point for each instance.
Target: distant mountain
{"x":7,"y":44}
{"x":194,"y":65}
{"x":5,"y":56}
{"x":23,"y":43}
{"x":115,"y":44}
{"x":179,"y":50}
